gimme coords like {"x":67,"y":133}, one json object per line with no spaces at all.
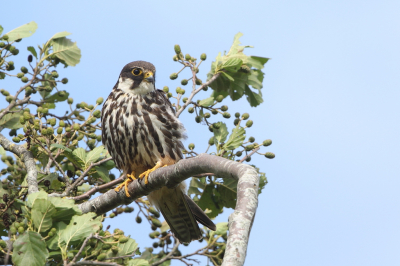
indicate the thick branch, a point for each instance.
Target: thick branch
{"x":240,"y":221}
{"x":27,"y":158}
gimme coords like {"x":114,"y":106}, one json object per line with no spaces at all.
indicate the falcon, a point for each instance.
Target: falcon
{"x":142,"y":133}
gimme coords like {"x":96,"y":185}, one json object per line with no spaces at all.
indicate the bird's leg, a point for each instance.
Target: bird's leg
{"x":145,"y":174}
{"x":129,"y":179}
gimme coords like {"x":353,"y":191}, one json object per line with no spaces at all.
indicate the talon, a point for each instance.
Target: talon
{"x":130,"y":178}
{"x":146,"y":174}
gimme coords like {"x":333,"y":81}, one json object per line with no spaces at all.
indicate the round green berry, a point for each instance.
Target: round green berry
{"x":211,"y":141}
{"x":64,"y":81}
{"x":207,"y":115}
{"x":5,"y":37}
{"x":267,"y":142}
{"x":97,"y":113}
{"x":226,"y":115}
{"x":199,"y":82}
{"x":224,"y":108}
{"x":2,"y":44}
{"x":188,"y":57}
{"x":173,"y":76}
{"x":184,"y":82}
{"x":175,"y":58}
{"x":101,"y":257}
{"x":198,"y":119}
{"x":269,"y":155}
{"x":20,"y":75}
{"x":214,"y":111}
{"x":245,"y":116}
{"x":177,"y":49}
{"x":54,"y":74}
{"x":219,"y":98}
{"x":16,"y":139}
{"x":252,"y":139}
{"x":76,"y":126}
{"x":70,"y":100}
{"x":203,"y":56}
{"x":191,"y":110}
{"x":191,"y":146}
{"x":249,"y":123}
{"x":237,"y":114}
{"x":138,"y":219}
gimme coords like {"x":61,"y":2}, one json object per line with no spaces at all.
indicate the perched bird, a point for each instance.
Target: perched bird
{"x":142,"y":133}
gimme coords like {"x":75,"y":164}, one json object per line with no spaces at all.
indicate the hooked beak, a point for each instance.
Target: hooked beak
{"x":149,"y":77}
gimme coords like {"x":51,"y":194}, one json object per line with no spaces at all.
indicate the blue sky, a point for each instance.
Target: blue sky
{"x":331,"y":106}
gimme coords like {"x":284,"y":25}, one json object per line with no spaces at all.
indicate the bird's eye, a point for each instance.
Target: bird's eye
{"x":136,"y":71}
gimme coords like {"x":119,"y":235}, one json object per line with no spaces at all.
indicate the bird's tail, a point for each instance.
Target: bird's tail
{"x":180,"y":212}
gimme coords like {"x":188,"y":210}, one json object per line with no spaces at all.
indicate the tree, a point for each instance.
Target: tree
{"x":49,"y":214}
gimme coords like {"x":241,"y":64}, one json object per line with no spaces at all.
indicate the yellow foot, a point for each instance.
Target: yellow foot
{"x":146,"y":174}
{"x":128,"y":180}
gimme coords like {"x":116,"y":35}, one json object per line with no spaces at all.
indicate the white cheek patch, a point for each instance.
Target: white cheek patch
{"x":126,"y":85}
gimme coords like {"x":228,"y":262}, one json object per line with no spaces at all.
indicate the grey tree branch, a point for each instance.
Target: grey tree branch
{"x":27,"y":158}
{"x":240,"y":221}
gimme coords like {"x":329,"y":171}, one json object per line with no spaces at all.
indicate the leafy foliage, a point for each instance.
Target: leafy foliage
{"x":47,"y":227}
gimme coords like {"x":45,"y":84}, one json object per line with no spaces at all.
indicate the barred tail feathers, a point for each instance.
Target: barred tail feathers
{"x":180,"y":212}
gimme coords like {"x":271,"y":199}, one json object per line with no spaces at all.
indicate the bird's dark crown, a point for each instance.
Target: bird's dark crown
{"x":141,"y":64}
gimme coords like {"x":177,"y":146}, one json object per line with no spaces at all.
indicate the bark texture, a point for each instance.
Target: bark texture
{"x":240,"y":221}
{"x":27,"y":158}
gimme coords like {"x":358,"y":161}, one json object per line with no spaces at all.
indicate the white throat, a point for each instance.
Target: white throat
{"x":126,"y":85}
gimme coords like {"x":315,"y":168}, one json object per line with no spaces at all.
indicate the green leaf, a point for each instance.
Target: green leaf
{"x":137,"y":262}
{"x":253,"y":98}
{"x":228,"y":192}
{"x":54,"y":182}
{"x":23,"y":31}
{"x":257,"y":61}
{"x":42,"y":211}
{"x":2,"y":151}
{"x":207,"y":202}
{"x":80,"y":156}
{"x":56,"y":97}
{"x":102,"y":172}
{"x":66,"y":50}
{"x":79,"y":228}
{"x":66,"y":208}
{"x":34,"y":196}
{"x":94,"y":155}
{"x":207,"y":102}
{"x":227,"y":76}
{"x":237,"y":88}
{"x":255,"y":79}
{"x":60,"y":146}
{"x":60,"y":35}
{"x":235,"y":139}
{"x":30,"y":250}
{"x":53,"y":242}
{"x":109,"y":164}
{"x":127,"y":248}
{"x":11,"y":121}
{"x":232,"y":64}
{"x":32,"y":50}
{"x":195,"y":184}
{"x":221,"y":133}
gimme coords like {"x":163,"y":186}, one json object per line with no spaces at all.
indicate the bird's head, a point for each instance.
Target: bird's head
{"x":137,"y":78}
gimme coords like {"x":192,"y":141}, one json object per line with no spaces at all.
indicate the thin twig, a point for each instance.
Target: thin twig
{"x":250,"y":154}
{"x":71,"y":187}
{"x":95,"y":189}
{"x":81,"y":249}
{"x":122,"y":257}
{"x":183,"y":107}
